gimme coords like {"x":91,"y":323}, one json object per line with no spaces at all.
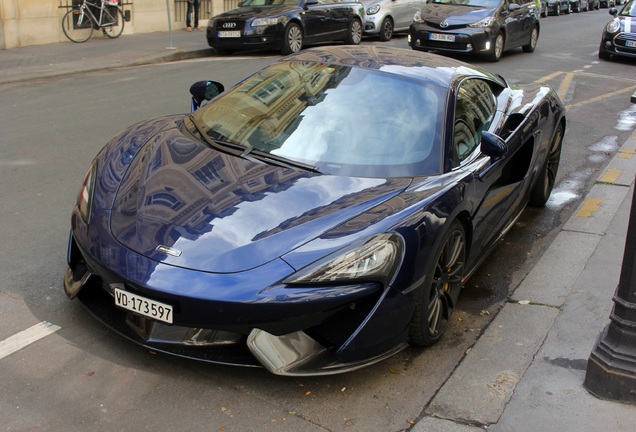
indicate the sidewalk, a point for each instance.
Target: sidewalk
{"x":526,"y":372}
{"x":98,"y":53}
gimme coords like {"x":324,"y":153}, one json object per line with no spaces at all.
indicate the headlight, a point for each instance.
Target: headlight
{"x":375,"y":259}
{"x":258,"y":22}
{"x":373,"y":9}
{"x":418,"y":17}
{"x":85,"y":196}
{"x":613,"y":26}
{"x":486,"y":22}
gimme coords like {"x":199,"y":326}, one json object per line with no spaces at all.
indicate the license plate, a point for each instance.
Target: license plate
{"x":230,"y":34}
{"x":631,"y":44}
{"x":442,"y":37}
{"x":143,"y":306}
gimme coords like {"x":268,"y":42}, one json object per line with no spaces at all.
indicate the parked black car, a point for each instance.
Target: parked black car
{"x":483,"y":27}
{"x":607,"y":3}
{"x":619,"y":35}
{"x":595,"y":4}
{"x":285,"y":25}
{"x":557,"y":7}
{"x":579,"y":5}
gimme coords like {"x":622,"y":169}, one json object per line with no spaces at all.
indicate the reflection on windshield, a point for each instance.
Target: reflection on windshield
{"x":344,"y":120}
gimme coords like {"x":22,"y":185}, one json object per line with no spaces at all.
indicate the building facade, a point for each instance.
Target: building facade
{"x":36,"y":22}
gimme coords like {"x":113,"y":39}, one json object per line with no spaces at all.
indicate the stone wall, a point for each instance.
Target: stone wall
{"x":35,"y":22}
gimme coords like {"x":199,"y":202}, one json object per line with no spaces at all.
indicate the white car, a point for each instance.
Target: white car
{"x":385,"y":17}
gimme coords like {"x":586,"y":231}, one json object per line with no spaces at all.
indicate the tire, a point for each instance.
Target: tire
{"x":72,"y":31}
{"x":557,"y":10}
{"x":354,"y":35}
{"x":113,"y":31}
{"x":497,"y":48}
{"x":568,"y":11}
{"x":534,"y":37}
{"x":545,"y":183}
{"x":438,"y":294}
{"x":386,"y":29}
{"x":293,"y":39}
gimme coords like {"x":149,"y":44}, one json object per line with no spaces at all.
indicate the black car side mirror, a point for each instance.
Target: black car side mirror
{"x":613,"y":12}
{"x":493,"y":146}
{"x":204,"y":91}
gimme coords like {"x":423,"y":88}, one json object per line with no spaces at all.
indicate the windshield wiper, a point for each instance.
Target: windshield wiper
{"x":218,"y":143}
{"x":283,"y":162}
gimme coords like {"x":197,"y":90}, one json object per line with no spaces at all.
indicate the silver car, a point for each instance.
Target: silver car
{"x":385,"y":17}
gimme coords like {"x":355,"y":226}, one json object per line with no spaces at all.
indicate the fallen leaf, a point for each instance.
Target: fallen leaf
{"x":90,"y":373}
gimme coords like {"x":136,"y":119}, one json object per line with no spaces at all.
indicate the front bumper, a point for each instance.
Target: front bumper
{"x":246,"y":319}
{"x":466,"y":40}
{"x":617,"y":44}
{"x":270,"y":37}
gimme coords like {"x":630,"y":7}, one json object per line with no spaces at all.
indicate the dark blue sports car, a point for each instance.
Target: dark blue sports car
{"x":319,"y":216}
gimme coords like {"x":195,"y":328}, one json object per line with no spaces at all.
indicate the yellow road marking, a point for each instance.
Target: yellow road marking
{"x":610,"y":176}
{"x":589,"y":206}
{"x":598,"y":98}
{"x":565,"y":85}
{"x":549,"y":77}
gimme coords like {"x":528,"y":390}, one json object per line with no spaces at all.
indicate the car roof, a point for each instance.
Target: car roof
{"x":405,"y":62}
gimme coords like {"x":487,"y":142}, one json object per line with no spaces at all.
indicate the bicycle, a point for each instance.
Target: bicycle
{"x":78,"y":23}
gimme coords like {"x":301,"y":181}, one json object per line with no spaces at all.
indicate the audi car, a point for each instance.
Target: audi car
{"x":481,"y":27}
{"x":318,"y":217}
{"x":285,"y":25}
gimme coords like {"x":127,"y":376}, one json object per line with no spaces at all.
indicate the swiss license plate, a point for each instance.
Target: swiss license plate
{"x":230,"y":34}
{"x":143,"y":306}
{"x":442,"y":37}
{"x":631,"y":44}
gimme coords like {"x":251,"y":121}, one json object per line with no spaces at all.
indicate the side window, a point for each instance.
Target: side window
{"x":474,"y":111}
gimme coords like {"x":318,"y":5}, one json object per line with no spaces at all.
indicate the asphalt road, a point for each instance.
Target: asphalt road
{"x":81,"y":376}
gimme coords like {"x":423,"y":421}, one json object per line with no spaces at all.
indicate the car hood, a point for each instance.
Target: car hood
{"x":256,"y":12}
{"x":185,"y":204}
{"x":454,"y":14}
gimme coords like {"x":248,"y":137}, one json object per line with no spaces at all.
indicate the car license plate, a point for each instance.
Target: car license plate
{"x":143,"y":306}
{"x":631,"y":44}
{"x":230,"y":34}
{"x":442,"y":37}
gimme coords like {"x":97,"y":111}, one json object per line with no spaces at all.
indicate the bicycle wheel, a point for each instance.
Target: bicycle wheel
{"x":113,"y":22}
{"x":77,"y":26}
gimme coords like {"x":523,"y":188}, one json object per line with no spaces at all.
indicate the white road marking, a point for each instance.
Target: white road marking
{"x":26,"y":337}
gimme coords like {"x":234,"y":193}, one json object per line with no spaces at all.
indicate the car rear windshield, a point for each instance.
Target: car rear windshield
{"x":342,"y":120}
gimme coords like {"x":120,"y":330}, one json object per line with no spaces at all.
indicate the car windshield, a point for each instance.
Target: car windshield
{"x":475,"y":3}
{"x":629,"y":9}
{"x":341,"y":120}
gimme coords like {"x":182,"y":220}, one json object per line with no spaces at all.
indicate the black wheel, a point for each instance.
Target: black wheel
{"x":77,"y":26}
{"x":534,"y":37}
{"x":557,"y":10}
{"x":438,"y":296}
{"x":354,"y":36}
{"x":293,"y":39}
{"x":113,"y":22}
{"x":497,"y":48}
{"x":545,"y":183}
{"x":386,"y":29}
{"x":568,"y":10}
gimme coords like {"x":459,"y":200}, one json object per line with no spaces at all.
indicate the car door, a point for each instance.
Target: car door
{"x":519,"y":22}
{"x":498,"y":183}
{"x":316,"y":17}
{"x":325,"y":18}
{"x":403,"y":12}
